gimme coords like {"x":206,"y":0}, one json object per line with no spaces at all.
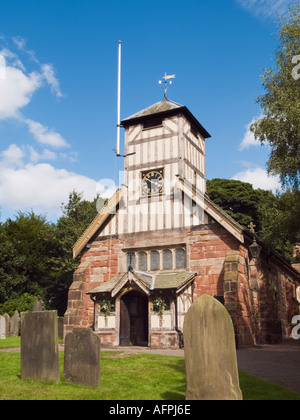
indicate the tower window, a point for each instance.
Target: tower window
{"x":194,"y":130}
{"x":152,"y":123}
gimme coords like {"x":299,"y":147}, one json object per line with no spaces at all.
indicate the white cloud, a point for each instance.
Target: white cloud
{"x":27,"y":180}
{"x":259,"y":178}
{"x":13,"y":156}
{"x":249,"y":139}
{"x":16,"y":90}
{"x":47,"y":70}
{"x":46,"y":154}
{"x":40,"y":187}
{"x":266,"y":8}
{"x":49,"y":74}
{"x":44,"y":135}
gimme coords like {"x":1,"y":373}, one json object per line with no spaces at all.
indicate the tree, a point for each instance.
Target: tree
{"x":27,"y":250}
{"x":276,"y":217}
{"x":11,"y":276}
{"x":279,"y":217}
{"x":280,"y":124}
{"x":239,"y":199}
{"x":76,"y":217}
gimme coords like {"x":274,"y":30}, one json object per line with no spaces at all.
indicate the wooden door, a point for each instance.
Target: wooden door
{"x":124,"y":325}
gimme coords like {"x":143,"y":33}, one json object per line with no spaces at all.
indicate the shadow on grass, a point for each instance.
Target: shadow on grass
{"x":178,"y":392}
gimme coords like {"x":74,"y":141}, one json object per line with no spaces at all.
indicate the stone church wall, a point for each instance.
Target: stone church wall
{"x":260,"y":297}
{"x":98,"y":264}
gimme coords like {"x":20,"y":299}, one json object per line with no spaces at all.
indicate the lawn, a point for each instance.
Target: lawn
{"x":124,"y":377}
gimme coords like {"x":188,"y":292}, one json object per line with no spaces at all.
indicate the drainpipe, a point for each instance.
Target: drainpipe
{"x":93,"y":298}
{"x":180,"y":335}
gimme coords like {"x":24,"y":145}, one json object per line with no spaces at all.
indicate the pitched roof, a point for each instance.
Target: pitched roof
{"x":211,"y":208}
{"x":164,"y":108}
{"x":147,"y":282}
{"x":161,"y":106}
{"x":98,"y":222}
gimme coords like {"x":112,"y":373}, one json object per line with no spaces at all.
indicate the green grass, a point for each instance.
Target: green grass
{"x":125,"y":377}
{"x":10,"y":342}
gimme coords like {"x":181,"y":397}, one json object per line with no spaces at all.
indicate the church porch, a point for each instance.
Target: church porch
{"x":140,"y":309}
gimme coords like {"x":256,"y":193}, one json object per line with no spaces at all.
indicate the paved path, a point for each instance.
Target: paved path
{"x":276,"y":363}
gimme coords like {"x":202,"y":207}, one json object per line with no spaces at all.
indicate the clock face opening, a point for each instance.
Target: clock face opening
{"x":152,"y":182}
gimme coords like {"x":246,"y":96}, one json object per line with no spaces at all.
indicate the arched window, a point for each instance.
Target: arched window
{"x":167,"y":260}
{"x":154,"y":260}
{"x":142,"y":261}
{"x":180,"y":258}
{"x":130,"y":259}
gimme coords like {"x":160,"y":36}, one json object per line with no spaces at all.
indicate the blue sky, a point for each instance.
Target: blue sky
{"x":58,"y":87}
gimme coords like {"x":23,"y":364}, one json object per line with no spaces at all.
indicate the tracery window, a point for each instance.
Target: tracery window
{"x":142,"y":257}
{"x":180,"y":258}
{"x":130,"y":260}
{"x":154,"y":261}
{"x":167,"y":260}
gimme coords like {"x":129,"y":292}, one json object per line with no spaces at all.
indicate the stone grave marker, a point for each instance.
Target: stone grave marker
{"x":38,"y":306}
{"x":82,"y":357}
{"x":210,"y":352}
{"x":39,"y":346}
{"x":2,"y":327}
{"x":60,"y":326}
{"x":14,"y":325}
{"x":7,"y":320}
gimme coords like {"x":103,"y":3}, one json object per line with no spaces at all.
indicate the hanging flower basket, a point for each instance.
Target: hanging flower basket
{"x":159,"y":305}
{"x":106,"y":307}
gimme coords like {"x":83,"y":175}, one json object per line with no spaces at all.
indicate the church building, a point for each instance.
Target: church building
{"x":160,"y":243}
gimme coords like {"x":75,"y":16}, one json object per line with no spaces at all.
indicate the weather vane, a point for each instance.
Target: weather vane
{"x":167,"y":80}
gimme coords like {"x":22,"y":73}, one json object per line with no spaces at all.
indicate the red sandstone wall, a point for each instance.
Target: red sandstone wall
{"x":221,"y":263}
{"x":98,"y":264}
{"x":208,"y":249}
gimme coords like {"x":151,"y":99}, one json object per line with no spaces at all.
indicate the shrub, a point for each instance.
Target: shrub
{"x":23,"y":303}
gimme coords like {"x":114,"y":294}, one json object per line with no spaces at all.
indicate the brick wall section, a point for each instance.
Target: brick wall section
{"x":239,"y":299}
{"x":208,"y":249}
{"x":98,"y":264}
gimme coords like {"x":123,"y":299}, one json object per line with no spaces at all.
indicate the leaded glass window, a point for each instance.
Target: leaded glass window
{"x":167,"y":260}
{"x":154,"y":260}
{"x":180,"y":258}
{"x":143,"y":261}
{"x":130,"y":259}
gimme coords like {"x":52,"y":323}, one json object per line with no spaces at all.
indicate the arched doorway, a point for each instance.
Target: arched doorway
{"x":134,"y":319}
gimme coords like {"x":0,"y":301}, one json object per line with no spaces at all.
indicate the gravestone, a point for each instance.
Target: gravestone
{"x":38,"y":306}
{"x":14,"y":324}
{"x":60,"y":326}
{"x":2,"y":327}
{"x":7,"y":320}
{"x":82,"y":357}
{"x":39,"y":346}
{"x":210,"y":352}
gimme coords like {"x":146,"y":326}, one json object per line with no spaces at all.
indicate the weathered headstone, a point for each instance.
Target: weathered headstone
{"x":39,"y":346}
{"x":60,"y":326}
{"x":7,"y":320}
{"x":210,"y":352}
{"x":2,"y":327}
{"x":82,"y":357}
{"x":38,"y":306}
{"x":15,"y":324}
